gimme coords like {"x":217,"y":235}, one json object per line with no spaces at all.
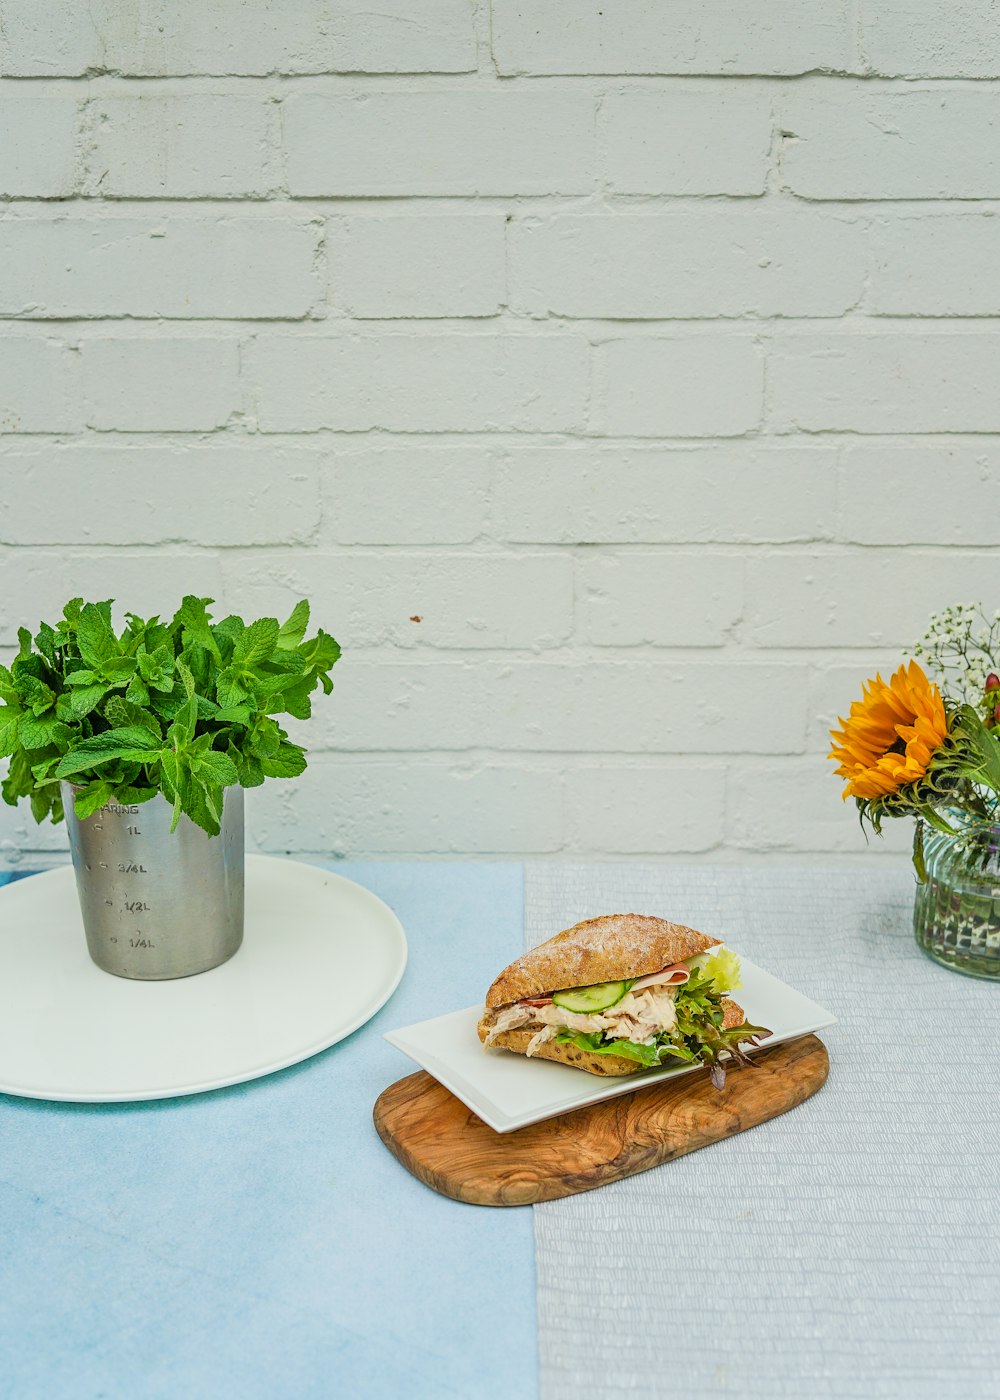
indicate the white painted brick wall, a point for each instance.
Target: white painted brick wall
{"x":622,"y":384}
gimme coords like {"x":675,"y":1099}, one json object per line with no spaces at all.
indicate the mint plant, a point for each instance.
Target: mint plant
{"x":185,"y":707}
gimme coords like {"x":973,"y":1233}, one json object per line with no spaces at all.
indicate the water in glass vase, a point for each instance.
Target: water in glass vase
{"x":956,"y":913}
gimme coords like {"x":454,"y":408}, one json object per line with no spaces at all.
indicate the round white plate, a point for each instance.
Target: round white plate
{"x":320,"y":956}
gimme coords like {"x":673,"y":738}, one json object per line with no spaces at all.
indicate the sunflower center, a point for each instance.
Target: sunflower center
{"x":898,"y":747}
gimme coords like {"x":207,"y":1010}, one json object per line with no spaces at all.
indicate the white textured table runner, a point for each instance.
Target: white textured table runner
{"x":849,"y":1250}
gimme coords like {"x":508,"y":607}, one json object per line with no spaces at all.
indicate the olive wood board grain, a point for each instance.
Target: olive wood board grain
{"x":444,"y":1144}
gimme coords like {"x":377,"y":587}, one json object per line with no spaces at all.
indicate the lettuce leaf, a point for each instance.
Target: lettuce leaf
{"x":650,"y":1055}
{"x":721,"y":967}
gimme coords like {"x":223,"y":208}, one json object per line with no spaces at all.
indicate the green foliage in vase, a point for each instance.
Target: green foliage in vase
{"x":185,"y":707}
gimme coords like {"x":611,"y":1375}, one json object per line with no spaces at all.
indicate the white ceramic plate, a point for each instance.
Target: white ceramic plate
{"x":509,"y":1091}
{"x":320,"y":956}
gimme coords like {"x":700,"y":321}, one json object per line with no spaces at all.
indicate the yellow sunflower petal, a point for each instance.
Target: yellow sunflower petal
{"x":906,"y":713}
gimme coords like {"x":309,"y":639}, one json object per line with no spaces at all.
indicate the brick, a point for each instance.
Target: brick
{"x":36,"y":584}
{"x":47,"y":37}
{"x":419,"y":266}
{"x":959,"y":40}
{"x":460,"y":142}
{"x":920,"y":382}
{"x":373,"y":807}
{"x":662,"y":599}
{"x":655,"y":809}
{"x":39,"y":386}
{"x":859,"y":599}
{"x":38,"y":153}
{"x":178,"y":268}
{"x":182,"y":147}
{"x":920,"y":493}
{"x":418,"y":383}
{"x":592,"y":707}
{"x":405,"y":495}
{"x":461,"y":600}
{"x":795,"y":805}
{"x":855,"y":144}
{"x":716,"y":140}
{"x":718,"y":261}
{"x":158,"y":385}
{"x":727,"y":492}
{"x":936,"y":265}
{"x":686,"y":386}
{"x":644,"y":36}
{"x":219,"y":493}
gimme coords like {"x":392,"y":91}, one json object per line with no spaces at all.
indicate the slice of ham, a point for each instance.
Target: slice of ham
{"x":673,"y":976}
{"x":536,"y":1001}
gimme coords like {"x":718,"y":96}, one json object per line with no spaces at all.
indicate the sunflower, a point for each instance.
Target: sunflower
{"x":891,"y":735}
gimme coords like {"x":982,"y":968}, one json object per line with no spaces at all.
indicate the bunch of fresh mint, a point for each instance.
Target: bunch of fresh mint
{"x":184,"y":708}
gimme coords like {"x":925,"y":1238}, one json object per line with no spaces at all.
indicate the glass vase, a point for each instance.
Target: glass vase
{"x":956,"y":913}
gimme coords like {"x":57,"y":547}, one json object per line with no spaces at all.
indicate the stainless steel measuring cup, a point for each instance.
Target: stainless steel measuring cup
{"x":158,"y":904}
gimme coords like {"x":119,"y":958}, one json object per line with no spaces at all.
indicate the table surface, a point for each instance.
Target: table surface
{"x":259,"y":1241}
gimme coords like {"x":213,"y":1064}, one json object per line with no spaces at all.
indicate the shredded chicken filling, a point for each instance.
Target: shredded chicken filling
{"x":639,"y":1016}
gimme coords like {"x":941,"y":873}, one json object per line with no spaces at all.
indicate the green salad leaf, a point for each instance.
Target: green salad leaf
{"x":185,"y":708}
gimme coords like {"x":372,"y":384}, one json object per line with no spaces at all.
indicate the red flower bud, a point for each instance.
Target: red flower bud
{"x":996,"y":715}
{"x":992,"y":682}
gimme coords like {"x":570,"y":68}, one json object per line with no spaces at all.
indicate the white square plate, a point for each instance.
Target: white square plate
{"x":510,"y":1091}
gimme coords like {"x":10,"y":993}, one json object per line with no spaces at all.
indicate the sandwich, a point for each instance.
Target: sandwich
{"x":621,"y":994}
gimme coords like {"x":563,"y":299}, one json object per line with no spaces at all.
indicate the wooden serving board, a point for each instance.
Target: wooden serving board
{"x":443,"y":1143}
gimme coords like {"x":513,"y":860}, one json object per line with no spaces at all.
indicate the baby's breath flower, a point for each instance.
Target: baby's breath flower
{"x":961,"y":645}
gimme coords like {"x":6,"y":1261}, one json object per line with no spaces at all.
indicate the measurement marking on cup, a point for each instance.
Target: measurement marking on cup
{"x":141,"y":942}
{"x":135,"y":906}
{"x":130,"y":868}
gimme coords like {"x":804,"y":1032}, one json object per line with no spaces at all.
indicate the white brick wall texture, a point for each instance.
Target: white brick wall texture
{"x":621,"y":383}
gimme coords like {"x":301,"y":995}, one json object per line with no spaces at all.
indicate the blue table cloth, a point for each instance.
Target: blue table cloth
{"x":259,"y":1241}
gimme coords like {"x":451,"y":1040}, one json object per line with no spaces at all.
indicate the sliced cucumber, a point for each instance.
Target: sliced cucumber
{"x":596,"y":998}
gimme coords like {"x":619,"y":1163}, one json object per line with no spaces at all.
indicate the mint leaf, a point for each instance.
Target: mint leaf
{"x":138,"y":692}
{"x":288,"y":762}
{"x":265,"y":737}
{"x":40,"y":733}
{"x":249,"y":770}
{"x":9,"y":716}
{"x":94,"y":635}
{"x":75,"y":704}
{"x":120,"y":713}
{"x":230,"y":689}
{"x":47,"y":641}
{"x":236,"y":714}
{"x":92,"y":798}
{"x":130,"y":742}
{"x":214,"y":768}
{"x":181,"y":732}
{"x":256,"y":643}
{"x":192,"y":617}
{"x":294,"y":629}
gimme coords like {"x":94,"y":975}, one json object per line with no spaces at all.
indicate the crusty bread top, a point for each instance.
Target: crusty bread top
{"x":607,"y":949}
